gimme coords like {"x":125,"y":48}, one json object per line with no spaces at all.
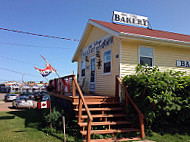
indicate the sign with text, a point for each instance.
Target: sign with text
{"x":97,"y":45}
{"x":182,"y":63}
{"x":126,"y":18}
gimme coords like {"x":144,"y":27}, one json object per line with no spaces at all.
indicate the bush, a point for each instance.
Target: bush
{"x":56,"y":118}
{"x":163,"y":97}
{"x":59,"y":108}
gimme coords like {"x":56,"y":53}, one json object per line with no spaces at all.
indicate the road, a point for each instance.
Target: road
{"x":7,"y":106}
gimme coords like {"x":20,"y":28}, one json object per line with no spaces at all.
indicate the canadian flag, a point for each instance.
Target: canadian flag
{"x":43,"y":104}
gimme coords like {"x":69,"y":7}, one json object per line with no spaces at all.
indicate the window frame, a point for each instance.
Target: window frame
{"x":83,"y":68}
{"x":107,"y":73}
{"x":139,"y":56}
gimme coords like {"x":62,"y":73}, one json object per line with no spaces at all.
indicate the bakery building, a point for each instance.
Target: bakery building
{"x":108,"y":49}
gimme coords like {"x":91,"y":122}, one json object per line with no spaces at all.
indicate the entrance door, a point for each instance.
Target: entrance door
{"x":92,"y":84}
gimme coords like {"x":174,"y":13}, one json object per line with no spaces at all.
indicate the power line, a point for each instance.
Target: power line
{"x":24,"y":62}
{"x":41,"y":35}
{"x":18,"y":61}
{"x":30,"y":45}
{"x":30,"y":74}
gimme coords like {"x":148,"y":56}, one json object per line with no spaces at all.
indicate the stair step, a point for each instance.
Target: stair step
{"x":103,"y":115}
{"x":114,"y":139}
{"x":104,"y":123}
{"x":92,"y":97}
{"x":101,"y":109}
{"x":100,"y":103}
{"x":111,"y":131}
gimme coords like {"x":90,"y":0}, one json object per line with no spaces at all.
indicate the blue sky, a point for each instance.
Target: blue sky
{"x":68,"y":18}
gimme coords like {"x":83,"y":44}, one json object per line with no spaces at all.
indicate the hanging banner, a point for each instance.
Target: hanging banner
{"x":126,"y":18}
{"x":49,"y":69}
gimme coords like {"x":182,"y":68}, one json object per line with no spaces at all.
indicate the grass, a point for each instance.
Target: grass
{"x":169,"y":137}
{"x":22,"y":126}
{"x":25,"y":126}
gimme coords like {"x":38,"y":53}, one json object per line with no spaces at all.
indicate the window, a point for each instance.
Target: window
{"x":83,"y":68}
{"x":146,"y":56}
{"x":107,"y":62}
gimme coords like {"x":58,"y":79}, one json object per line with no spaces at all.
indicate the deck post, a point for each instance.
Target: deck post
{"x":80,"y":110}
{"x":126,"y":102}
{"x":116,"y":89}
{"x":141,"y":120}
{"x":89,"y":130}
{"x":73,"y":86}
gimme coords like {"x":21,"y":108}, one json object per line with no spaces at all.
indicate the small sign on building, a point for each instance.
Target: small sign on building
{"x":182,"y":63}
{"x":126,"y":18}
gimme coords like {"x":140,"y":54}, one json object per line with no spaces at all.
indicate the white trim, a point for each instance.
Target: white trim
{"x":106,"y":29}
{"x":120,"y":58}
{"x":92,"y":57}
{"x":120,"y":67}
{"x":154,"y":38}
{"x":109,"y":73}
{"x":142,"y":46}
{"x":81,"y":69}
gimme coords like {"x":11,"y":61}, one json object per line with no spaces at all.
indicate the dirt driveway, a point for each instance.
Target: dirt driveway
{"x":7,"y":106}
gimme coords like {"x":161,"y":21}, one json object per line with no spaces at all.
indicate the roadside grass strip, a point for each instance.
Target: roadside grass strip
{"x":22,"y":126}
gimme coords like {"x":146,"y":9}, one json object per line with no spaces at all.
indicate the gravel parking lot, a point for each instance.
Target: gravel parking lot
{"x":7,"y":106}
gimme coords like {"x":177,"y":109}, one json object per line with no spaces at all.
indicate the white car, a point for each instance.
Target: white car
{"x":23,"y":102}
{"x":10,"y":97}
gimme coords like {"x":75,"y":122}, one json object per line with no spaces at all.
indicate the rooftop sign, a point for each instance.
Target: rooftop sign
{"x":126,"y":18}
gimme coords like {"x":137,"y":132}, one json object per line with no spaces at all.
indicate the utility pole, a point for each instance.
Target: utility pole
{"x":22,"y":83}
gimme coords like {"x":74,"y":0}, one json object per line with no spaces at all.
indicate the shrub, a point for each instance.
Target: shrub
{"x":163,"y":97}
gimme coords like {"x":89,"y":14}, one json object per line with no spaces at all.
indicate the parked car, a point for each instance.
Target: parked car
{"x":38,"y":96}
{"x":23,"y":102}
{"x":27,"y":94}
{"x":10,"y":97}
{"x":46,"y":98}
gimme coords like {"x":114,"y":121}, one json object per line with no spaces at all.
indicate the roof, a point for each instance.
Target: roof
{"x":144,"y":31}
{"x":131,"y":31}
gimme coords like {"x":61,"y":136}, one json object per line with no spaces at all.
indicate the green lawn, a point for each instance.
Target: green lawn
{"x":169,"y":137}
{"x":25,"y":126}
{"x":22,"y":126}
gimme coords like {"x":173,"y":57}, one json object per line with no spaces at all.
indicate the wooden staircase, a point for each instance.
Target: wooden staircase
{"x":101,"y":114}
{"x":108,"y":115}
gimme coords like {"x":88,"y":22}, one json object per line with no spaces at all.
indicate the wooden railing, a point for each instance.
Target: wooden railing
{"x":128,"y":98}
{"x":82,"y":102}
{"x":69,"y":84}
{"x":62,"y":85}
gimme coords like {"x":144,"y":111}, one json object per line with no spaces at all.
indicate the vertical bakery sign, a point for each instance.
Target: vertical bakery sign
{"x":126,"y":18}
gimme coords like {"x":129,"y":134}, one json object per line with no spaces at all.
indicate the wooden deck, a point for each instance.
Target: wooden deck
{"x":88,"y":97}
{"x":94,"y":110}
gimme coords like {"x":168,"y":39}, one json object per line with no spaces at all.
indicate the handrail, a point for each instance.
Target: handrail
{"x":132,"y":102}
{"x":72,"y":75}
{"x":141,"y":116}
{"x":81,"y":99}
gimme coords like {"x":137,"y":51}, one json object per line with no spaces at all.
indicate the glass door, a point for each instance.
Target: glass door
{"x":92,"y":84}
